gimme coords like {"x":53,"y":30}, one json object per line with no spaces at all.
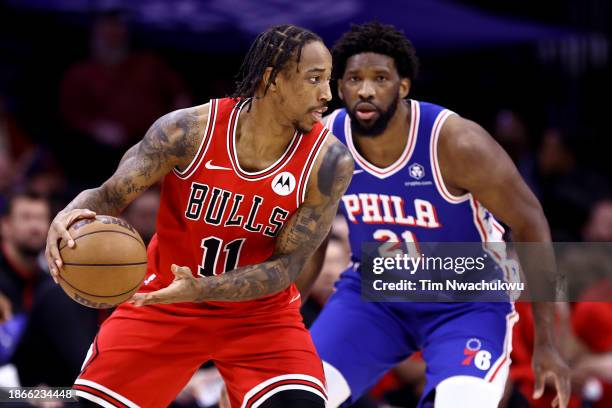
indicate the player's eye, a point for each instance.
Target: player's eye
{"x":381,"y":78}
{"x":314,"y":79}
{"x":353,"y":79}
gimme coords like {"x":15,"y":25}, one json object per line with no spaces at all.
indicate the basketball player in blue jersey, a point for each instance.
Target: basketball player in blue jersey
{"x":423,"y":173}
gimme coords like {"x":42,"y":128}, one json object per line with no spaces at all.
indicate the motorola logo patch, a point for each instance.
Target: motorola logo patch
{"x":283,"y":184}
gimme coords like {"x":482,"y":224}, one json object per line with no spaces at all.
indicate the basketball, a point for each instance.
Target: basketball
{"x":107,"y":264}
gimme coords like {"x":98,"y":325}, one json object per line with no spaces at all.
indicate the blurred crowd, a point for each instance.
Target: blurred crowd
{"x":106,"y":103}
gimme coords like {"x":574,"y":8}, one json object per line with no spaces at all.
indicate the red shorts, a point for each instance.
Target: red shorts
{"x":145,"y":356}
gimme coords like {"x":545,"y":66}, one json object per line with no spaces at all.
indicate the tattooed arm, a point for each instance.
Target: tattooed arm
{"x":170,"y":142}
{"x":297,"y":241}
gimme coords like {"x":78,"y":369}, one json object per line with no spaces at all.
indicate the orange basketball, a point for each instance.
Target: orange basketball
{"x":107,"y":264}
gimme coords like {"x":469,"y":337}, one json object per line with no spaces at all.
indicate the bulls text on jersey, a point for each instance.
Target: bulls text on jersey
{"x":218,"y":207}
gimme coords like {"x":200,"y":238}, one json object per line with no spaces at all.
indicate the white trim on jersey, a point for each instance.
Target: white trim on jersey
{"x":402,"y":161}
{"x":206,"y":138}
{"x":94,"y":398}
{"x":498,"y":373}
{"x":435,"y":165}
{"x":105,"y":390}
{"x":292,"y":147}
{"x":308,"y":171}
{"x":300,"y":377}
{"x":88,"y":355}
{"x":328,"y":121}
{"x":495,"y":235}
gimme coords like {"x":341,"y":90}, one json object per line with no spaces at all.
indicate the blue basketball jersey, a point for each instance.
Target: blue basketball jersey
{"x":408,"y":201}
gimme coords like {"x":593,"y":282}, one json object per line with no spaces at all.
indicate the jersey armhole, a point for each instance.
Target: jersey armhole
{"x":435,"y":164}
{"x":197,"y":159}
{"x":310,"y":161}
{"x":328,"y":121}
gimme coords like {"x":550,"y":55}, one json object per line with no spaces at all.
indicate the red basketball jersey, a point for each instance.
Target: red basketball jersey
{"x":215,"y":216}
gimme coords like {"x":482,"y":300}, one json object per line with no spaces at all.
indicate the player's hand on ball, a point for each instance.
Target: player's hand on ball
{"x":57,"y":231}
{"x":184,"y":288}
{"x":548,"y":363}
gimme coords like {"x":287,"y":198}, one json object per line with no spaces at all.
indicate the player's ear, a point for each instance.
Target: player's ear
{"x":340,"y":95}
{"x":266,"y":80}
{"x":404,"y":88}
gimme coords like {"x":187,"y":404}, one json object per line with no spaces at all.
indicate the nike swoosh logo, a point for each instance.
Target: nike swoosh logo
{"x":296,"y":297}
{"x":211,"y":166}
{"x":357,"y":171}
{"x":150,"y":279}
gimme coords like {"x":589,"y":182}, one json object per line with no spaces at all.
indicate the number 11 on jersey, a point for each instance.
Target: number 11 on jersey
{"x":212,"y":249}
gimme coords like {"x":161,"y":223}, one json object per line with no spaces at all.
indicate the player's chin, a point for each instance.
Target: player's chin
{"x":305,"y":126}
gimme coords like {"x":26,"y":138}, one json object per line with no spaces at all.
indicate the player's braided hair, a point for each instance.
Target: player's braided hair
{"x":378,"y":38}
{"x":272,"y":48}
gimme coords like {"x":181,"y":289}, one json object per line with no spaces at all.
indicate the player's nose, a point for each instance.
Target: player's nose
{"x":366,"y":90}
{"x":326,"y":94}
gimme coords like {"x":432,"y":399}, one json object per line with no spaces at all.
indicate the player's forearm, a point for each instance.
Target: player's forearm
{"x":249,"y":282}
{"x":544,"y":322}
{"x":537,"y":259}
{"x":101,"y":200}
{"x":311,"y":270}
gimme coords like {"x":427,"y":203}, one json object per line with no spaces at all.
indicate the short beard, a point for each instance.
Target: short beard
{"x":379,"y":126}
{"x":300,"y":129}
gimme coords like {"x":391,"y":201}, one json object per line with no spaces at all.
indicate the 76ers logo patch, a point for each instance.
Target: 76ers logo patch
{"x":283,"y":184}
{"x":474,"y":354}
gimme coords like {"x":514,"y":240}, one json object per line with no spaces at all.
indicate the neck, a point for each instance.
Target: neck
{"x":261,"y":135}
{"x":384,"y":149}
{"x":25,"y":263}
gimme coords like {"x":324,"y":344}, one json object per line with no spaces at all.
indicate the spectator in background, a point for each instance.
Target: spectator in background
{"x":15,"y":144}
{"x":337,"y":257}
{"x":24,"y":230}
{"x":47,"y":334}
{"x":599,"y":226}
{"x":113,"y":97}
{"x":142,"y":213}
{"x":511,"y":133}
{"x":24,"y":227}
{"x":568,"y":189}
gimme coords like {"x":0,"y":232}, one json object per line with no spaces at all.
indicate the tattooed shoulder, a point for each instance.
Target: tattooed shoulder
{"x":175,"y":137}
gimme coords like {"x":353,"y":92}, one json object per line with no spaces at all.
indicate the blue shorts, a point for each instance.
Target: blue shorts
{"x":363,"y":340}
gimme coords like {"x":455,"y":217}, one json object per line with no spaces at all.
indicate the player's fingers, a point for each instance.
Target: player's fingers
{"x":73,"y":216}
{"x":67,"y":237}
{"x":555,"y":402}
{"x":140,"y":299}
{"x":538,"y":388}
{"x":164,"y":296}
{"x":564,"y":387}
{"x":51,"y":263}
{"x":80,"y":213}
{"x":56,"y":231}
{"x":181,"y":271}
{"x":56,"y":258}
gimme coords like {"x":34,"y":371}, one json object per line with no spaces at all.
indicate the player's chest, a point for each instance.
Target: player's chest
{"x":236,"y":205}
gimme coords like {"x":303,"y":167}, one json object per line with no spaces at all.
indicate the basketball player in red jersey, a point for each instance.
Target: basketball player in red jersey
{"x":251,"y":185}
